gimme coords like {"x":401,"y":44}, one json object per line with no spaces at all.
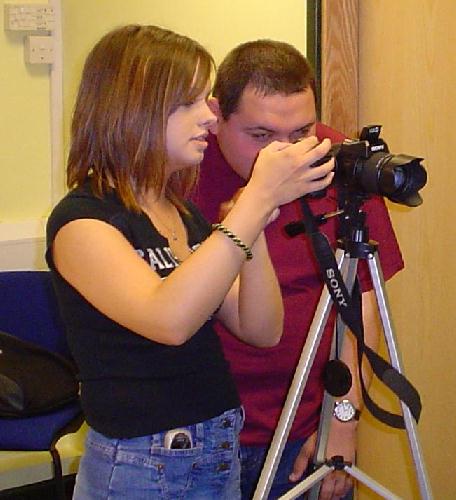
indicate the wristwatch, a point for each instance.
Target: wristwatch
{"x":344,"y":411}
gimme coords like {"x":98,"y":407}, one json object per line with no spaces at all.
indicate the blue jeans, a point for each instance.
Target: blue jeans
{"x":143,"y":469}
{"x":252,"y":461}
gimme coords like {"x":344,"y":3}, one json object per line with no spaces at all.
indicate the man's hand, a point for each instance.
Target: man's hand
{"x":341,"y":441}
{"x":304,"y":458}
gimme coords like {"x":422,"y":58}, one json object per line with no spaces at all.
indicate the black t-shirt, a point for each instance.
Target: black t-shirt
{"x":130,"y":385}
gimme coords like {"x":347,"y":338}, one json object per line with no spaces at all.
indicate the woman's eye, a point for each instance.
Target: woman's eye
{"x":196,"y":101}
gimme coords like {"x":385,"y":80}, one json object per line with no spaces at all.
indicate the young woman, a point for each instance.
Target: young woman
{"x":140,"y":275}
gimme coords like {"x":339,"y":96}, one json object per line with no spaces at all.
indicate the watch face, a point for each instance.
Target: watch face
{"x":344,"y":411}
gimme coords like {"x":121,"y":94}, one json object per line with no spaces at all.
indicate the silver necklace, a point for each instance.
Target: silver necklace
{"x":171,"y":231}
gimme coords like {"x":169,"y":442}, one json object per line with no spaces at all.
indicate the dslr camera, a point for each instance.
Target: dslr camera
{"x":365,"y":166}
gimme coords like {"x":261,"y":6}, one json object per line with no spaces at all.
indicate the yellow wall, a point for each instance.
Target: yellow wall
{"x":24,"y":89}
{"x":407,"y":83}
{"x":25,"y":148}
{"x":219,"y":26}
{"x":24,"y":131}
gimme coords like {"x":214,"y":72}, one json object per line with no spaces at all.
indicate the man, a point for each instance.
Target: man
{"x":264,"y":92}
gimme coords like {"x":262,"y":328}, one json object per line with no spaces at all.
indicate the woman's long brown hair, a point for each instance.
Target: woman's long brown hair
{"x":133,"y":79}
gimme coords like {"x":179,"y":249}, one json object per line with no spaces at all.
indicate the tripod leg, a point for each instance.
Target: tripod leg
{"x":391,"y":342}
{"x":348,"y":272}
{"x":315,"y":478}
{"x":371,"y":483}
{"x":353,"y":471}
{"x":294,"y":394}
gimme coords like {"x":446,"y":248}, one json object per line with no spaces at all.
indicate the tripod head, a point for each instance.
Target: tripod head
{"x":353,"y":233}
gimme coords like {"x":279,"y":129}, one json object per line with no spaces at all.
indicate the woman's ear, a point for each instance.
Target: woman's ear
{"x":213,"y":105}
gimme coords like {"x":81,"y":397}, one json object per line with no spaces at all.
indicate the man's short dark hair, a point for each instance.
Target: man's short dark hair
{"x":271,"y":67}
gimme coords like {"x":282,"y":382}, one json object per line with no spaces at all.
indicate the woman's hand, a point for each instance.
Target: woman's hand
{"x":226,"y":206}
{"x":284,"y":172}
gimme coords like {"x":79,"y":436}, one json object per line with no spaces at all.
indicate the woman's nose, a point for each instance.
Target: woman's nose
{"x":208,"y":116}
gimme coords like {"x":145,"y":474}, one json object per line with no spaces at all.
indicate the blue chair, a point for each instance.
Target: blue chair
{"x":29,"y":311}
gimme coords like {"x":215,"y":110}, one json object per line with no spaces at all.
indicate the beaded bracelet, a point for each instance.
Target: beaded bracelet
{"x":238,"y":242}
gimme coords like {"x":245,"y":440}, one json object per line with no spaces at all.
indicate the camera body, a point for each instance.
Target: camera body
{"x":365,"y":166}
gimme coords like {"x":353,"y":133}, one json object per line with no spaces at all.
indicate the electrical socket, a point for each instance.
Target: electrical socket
{"x":39,"y":49}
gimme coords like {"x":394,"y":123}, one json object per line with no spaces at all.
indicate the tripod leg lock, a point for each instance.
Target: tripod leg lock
{"x":337,"y":462}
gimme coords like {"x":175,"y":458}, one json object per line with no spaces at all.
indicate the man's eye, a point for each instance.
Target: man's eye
{"x":260,"y":137}
{"x":300,"y":134}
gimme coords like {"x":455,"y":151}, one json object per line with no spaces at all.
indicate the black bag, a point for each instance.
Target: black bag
{"x":33,"y":380}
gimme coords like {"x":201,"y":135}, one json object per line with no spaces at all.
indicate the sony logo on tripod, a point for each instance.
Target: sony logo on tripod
{"x":333,"y":282}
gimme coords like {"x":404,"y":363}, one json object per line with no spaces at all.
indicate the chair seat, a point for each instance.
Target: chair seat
{"x":37,"y":433}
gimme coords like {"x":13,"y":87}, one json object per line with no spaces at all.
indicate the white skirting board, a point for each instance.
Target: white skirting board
{"x":22,"y":245}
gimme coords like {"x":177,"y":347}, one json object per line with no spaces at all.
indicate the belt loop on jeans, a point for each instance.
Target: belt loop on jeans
{"x":157,"y":439}
{"x":199,"y":433}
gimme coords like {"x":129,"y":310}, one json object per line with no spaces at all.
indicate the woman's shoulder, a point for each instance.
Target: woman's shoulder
{"x":83,"y":203}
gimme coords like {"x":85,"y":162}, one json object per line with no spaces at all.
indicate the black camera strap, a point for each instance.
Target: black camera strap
{"x":349,"y":308}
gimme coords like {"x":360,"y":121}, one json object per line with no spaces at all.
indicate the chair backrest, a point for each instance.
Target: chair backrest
{"x":29,"y":309}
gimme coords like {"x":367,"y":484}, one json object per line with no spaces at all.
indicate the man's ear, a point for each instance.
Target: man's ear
{"x":215,"y":108}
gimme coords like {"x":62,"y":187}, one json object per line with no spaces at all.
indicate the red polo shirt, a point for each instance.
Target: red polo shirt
{"x":263,"y":375}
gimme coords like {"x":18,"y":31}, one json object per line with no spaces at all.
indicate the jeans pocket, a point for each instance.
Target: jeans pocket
{"x":162,"y":473}
{"x":143,"y":468}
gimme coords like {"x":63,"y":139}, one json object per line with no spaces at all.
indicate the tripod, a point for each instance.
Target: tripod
{"x":347,"y":256}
